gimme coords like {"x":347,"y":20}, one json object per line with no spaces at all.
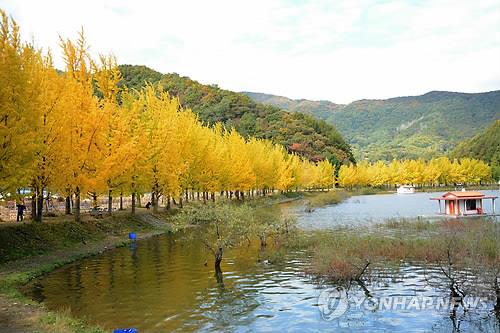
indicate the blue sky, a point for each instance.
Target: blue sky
{"x":336,"y":50}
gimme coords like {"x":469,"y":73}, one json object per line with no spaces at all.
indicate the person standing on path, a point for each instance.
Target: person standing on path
{"x":20,"y":211}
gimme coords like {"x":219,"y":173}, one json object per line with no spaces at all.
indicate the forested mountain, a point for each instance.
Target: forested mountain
{"x":301,"y":133}
{"x":318,"y":109}
{"x":484,"y":146}
{"x":403,"y":127}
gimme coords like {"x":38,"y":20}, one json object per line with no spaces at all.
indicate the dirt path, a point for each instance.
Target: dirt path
{"x":17,"y":317}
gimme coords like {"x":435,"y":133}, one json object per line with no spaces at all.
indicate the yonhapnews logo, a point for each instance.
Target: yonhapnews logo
{"x":335,"y":302}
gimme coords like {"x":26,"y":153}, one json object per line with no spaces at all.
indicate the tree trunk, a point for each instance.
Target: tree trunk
{"x":198,"y":195}
{"x":77,"y":205}
{"x":204,"y":197}
{"x":187,"y":196}
{"x":68,"y":206}
{"x":242,"y":194}
{"x":212,"y":195}
{"x":110,"y":202}
{"x":133,"y":203}
{"x":39,"y":205}
{"x":218,"y":258}
{"x":168,"y":202}
{"x":154,"y":201}
{"x":33,"y":207}
{"x":263,"y":241}
{"x":47,"y":202}
{"x":237,"y":194}
{"x":139,"y":203}
{"x":94,"y":200}
{"x":121,"y":200}
{"x":180,"y":202}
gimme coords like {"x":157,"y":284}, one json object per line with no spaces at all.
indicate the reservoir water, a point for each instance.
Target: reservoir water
{"x":168,"y":284}
{"x":372,"y":209}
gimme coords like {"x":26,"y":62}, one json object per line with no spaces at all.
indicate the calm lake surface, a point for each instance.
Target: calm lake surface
{"x":371,"y":209}
{"x":162,"y":284}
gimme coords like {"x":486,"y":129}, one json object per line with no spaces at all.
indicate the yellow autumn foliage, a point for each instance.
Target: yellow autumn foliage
{"x":77,"y":131}
{"x":417,"y":172}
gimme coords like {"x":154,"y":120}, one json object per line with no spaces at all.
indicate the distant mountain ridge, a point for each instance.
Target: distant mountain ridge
{"x":402,"y":127}
{"x":320,"y":109}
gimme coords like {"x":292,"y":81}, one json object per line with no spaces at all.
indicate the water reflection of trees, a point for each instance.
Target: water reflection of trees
{"x":165,"y":277}
{"x":426,"y":280}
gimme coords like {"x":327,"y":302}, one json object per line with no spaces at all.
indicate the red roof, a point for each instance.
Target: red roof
{"x":460,"y":194}
{"x":463,"y":195}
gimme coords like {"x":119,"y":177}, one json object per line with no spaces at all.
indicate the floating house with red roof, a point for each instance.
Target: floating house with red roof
{"x":464,"y":203}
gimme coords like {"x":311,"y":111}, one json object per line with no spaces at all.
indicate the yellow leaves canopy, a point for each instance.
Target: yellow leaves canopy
{"x":417,"y":172}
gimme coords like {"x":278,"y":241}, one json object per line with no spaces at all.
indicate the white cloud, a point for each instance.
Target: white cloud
{"x":341,"y":51}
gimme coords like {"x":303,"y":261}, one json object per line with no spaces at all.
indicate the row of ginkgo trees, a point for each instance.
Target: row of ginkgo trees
{"x":77,"y":132}
{"x":437,"y":171}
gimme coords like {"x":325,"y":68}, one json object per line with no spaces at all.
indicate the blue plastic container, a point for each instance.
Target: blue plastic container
{"x":125,"y":330}
{"x":132,"y":236}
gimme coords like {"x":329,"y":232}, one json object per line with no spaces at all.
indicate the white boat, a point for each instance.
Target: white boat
{"x":406,"y":189}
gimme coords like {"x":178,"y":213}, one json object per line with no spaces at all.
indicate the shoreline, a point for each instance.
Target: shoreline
{"x":19,"y":313}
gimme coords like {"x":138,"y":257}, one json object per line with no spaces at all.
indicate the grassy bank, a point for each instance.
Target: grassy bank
{"x":29,"y":250}
{"x":319,"y":199}
{"x":30,"y":239}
